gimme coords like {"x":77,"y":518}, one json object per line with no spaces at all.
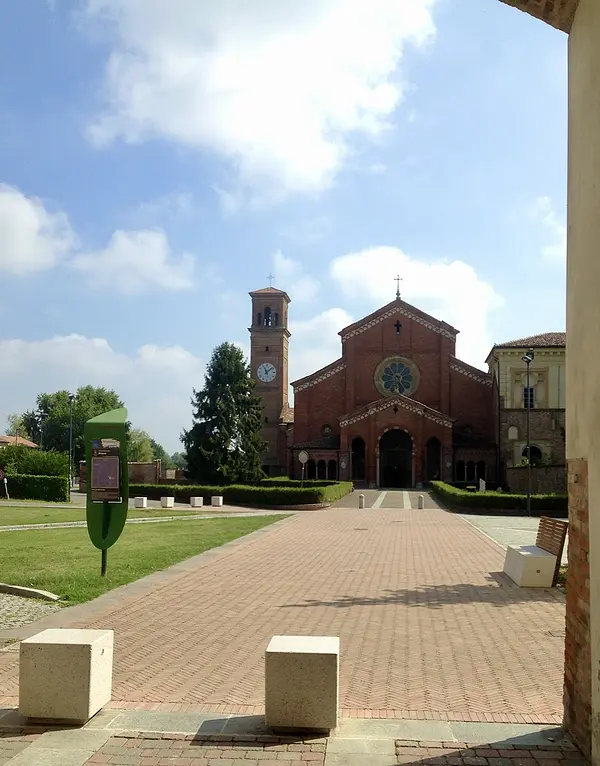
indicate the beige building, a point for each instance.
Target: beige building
{"x":539,"y":398}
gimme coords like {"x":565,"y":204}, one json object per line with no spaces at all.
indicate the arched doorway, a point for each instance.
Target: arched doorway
{"x":535,"y":452}
{"x":395,"y":459}
{"x":321,"y":469}
{"x":311,"y":470}
{"x":433,"y":459}
{"x":358,"y":459}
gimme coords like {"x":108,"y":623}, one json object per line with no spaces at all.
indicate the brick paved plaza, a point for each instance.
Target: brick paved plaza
{"x":428,"y":628}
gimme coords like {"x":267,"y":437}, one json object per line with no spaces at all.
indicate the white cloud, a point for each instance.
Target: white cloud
{"x":31,"y":238}
{"x":135,"y":261}
{"x":34,"y":239}
{"x":276,"y":88}
{"x":290,"y":272}
{"x":545,"y":214}
{"x":315,"y":342}
{"x":154,"y":382}
{"x":450,"y":291}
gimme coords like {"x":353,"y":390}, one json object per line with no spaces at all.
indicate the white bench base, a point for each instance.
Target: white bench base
{"x":196,"y":502}
{"x":167,"y":502}
{"x":217,"y":500}
{"x":302,"y":683}
{"x":65,"y":675}
{"x":529,"y":566}
{"x":140,"y":502}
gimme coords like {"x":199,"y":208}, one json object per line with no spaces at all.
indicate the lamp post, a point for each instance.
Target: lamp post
{"x":71,"y":397}
{"x":528,"y":358}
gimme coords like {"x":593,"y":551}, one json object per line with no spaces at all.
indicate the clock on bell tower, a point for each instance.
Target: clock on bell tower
{"x":269,"y":340}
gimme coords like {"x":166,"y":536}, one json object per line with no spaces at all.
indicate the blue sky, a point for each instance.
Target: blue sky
{"x":155,"y":166}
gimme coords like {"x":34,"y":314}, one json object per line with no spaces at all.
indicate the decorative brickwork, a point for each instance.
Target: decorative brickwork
{"x":578,"y":685}
{"x":557,"y":13}
{"x":544,"y":478}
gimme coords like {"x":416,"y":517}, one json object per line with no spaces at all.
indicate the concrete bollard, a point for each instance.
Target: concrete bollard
{"x":421,"y":502}
{"x":361,"y":501}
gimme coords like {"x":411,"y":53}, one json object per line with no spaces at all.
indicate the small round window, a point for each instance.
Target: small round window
{"x":327,"y":430}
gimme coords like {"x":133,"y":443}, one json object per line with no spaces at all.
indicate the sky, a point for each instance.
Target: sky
{"x":159,"y":159}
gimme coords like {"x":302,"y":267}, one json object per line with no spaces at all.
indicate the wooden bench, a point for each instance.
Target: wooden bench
{"x":537,"y":566}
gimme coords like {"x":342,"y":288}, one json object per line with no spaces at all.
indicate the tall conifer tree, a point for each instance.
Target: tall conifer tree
{"x":224,"y":445}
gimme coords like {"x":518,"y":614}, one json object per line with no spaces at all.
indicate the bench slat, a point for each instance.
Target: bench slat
{"x":551,"y":538}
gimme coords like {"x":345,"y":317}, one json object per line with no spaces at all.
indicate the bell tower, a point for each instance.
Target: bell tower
{"x":269,"y":341}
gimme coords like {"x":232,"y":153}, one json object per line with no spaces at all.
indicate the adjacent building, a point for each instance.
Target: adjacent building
{"x":541,"y":399}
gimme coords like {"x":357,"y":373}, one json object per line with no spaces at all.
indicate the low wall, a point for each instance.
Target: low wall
{"x":544,"y":479}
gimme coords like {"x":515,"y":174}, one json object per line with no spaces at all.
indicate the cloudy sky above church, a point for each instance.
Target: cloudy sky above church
{"x":160,"y":158}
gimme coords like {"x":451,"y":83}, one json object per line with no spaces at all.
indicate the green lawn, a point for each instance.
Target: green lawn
{"x":63,"y":561}
{"x":11,"y":515}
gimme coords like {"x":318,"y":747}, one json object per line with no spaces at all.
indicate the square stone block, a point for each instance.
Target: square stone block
{"x":140,"y":502}
{"x":167,"y":502}
{"x":217,"y":500}
{"x":529,"y":566}
{"x":65,"y":674}
{"x":196,"y":502}
{"x":302,"y":682}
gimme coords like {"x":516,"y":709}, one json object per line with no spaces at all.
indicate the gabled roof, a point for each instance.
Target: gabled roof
{"x":264,"y":292}
{"x":558,"y":14}
{"x":401,"y":402}
{"x":544,"y":340}
{"x":398,"y":307}
{"x":319,"y":375}
{"x":14,"y":440}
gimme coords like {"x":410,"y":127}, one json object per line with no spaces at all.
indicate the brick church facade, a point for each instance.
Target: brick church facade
{"x":396,"y":409}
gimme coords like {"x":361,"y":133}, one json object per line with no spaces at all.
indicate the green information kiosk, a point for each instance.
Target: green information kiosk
{"x":105,"y":438}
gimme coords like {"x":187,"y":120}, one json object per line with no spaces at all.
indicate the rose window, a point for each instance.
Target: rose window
{"x":397,"y":378}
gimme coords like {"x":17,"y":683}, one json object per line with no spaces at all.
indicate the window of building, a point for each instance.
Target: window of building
{"x":326,"y":430}
{"x":266,"y":348}
{"x":276,"y":319}
{"x":259,"y":319}
{"x":268,"y":317}
{"x":528,"y":398}
{"x":513,"y":433}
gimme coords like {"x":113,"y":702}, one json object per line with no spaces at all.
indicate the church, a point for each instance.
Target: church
{"x":397,"y":408}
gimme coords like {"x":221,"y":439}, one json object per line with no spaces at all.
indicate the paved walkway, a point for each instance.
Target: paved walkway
{"x":160,"y":739}
{"x":511,"y":530}
{"x":428,"y":627}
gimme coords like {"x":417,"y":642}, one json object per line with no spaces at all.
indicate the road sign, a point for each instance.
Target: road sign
{"x":303,"y":457}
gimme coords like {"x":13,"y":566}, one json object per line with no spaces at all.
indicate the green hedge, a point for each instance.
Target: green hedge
{"x":285,"y":481}
{"x":238,"y":494}
{"x":25,"y":487}
{"x":497,"y":501}
{"x":21,"y":460}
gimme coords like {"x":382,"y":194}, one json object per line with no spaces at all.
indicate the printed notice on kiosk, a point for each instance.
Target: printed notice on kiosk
{"x":106,"y":470}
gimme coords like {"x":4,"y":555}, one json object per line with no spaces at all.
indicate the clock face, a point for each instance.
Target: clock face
{"x":266,"y":372}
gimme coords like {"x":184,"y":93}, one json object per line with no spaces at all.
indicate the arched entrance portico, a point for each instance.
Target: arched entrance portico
{"x":395,"y":459}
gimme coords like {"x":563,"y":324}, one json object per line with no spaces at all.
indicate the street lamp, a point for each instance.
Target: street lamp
{"x":71,"y":397}
{"x":528,"y":358}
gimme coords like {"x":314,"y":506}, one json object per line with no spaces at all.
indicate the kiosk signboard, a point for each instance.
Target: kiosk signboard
{"x":105,"y":438}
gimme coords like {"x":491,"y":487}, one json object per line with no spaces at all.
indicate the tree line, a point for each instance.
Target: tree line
{"x":223,"y":445}
{"x":47,"y":424}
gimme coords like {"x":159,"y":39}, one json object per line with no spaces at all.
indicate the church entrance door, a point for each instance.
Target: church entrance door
{"x":395,"y":459}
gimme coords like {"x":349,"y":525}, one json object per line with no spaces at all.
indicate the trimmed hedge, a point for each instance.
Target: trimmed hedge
{"x":285,"y":481}
{"x":25,"y":487}
{"x":238,"y":494}
{"x":497,"y":501}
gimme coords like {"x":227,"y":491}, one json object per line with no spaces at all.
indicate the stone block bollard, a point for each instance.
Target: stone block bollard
{"x":65,"y":674}
{"x":140,"y":502}
{"x":361,"y":501}
{"x":421,"y":503}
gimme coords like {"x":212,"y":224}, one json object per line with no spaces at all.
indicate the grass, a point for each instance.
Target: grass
{"x":12,"y":515}
{"x":64,"y":561}
{"x":562,"y":576}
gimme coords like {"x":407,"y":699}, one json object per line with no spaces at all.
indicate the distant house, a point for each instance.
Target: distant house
{"x":6,"y":441}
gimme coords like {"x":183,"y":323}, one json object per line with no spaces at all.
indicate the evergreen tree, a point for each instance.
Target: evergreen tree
{"x":224,"y":444}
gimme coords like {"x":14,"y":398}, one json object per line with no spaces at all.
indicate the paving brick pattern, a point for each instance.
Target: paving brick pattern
{"x":491,"y":754}
{"x":428,"y":628}
{"x":163,"y":750}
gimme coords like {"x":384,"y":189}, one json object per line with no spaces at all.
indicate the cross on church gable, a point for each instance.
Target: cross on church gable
{"x":398,"y":327}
